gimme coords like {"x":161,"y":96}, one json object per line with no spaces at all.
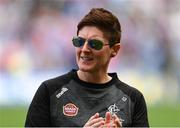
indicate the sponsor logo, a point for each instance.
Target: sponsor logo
{"x":124,"y":98}
{"x":113,"y":109}
{"x":63,"y":90}
{"x":70,"y":109}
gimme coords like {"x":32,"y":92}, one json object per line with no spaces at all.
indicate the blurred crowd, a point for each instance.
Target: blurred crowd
{"x":35,"y":44}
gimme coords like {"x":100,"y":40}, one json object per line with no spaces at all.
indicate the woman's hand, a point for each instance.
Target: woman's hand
{"x":112,"y":121}
{"x":94,"y":122}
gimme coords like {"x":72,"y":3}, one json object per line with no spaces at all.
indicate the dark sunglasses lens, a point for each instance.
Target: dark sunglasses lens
{"x":96,"y":44}
{"x":78,"y":42}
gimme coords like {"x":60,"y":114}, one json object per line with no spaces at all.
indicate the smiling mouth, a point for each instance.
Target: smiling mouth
{"x":86,"y":58}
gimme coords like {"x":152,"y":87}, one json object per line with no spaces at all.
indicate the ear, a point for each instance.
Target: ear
{"x":114,"y":49}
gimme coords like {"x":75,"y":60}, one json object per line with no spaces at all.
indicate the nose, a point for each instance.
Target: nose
{"x":85,"y":47}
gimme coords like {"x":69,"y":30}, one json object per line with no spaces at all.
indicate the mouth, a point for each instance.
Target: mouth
{"x":86,"y":58}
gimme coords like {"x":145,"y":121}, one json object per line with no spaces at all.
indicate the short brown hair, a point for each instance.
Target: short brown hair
{"x":105,"y":21}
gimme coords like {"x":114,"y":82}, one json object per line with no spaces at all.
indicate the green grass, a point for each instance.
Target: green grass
{"x":164,"y":116}
{"x":159,"y":116}
{"x":12,"y":116}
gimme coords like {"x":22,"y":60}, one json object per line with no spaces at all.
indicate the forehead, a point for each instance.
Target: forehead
{"x":91,"y":31}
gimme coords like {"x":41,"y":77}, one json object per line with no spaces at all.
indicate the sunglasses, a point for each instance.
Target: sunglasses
{"x":92,"y":43}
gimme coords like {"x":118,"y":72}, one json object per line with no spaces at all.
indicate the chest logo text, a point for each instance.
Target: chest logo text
{"x":63,"y":90}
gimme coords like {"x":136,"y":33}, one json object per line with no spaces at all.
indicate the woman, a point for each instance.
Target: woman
{"x":90,"y":96}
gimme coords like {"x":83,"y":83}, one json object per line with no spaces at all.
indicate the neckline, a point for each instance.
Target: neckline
{"x":94,"y":85}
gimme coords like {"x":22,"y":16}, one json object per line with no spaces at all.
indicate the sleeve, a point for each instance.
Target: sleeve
{"x":39,"y":110}
{"x":140,"y":117}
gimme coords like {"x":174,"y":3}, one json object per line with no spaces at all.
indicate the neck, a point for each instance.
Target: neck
{"x":97,"y":77}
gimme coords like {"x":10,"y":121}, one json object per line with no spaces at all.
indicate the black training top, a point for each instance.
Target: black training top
{"x":67,"y":101}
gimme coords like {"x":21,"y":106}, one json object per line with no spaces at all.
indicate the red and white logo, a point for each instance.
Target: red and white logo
{"x":70,"y":109}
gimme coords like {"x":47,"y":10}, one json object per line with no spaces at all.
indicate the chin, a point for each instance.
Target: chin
{"x":86,"y":69}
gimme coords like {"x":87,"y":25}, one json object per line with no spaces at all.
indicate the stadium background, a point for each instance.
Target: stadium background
{"x":35,"y":45}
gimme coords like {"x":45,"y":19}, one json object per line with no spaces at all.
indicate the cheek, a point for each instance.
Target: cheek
{"x":104,"y":53}
{"x":77,"y":52}
{"x":103,"y":56}
{"x":77,"y":55}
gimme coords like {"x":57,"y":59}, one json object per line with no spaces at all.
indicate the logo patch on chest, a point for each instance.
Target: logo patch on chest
{"x":70,"y":109}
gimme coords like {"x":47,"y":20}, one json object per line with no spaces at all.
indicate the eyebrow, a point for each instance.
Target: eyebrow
{"x":97,"y":37}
